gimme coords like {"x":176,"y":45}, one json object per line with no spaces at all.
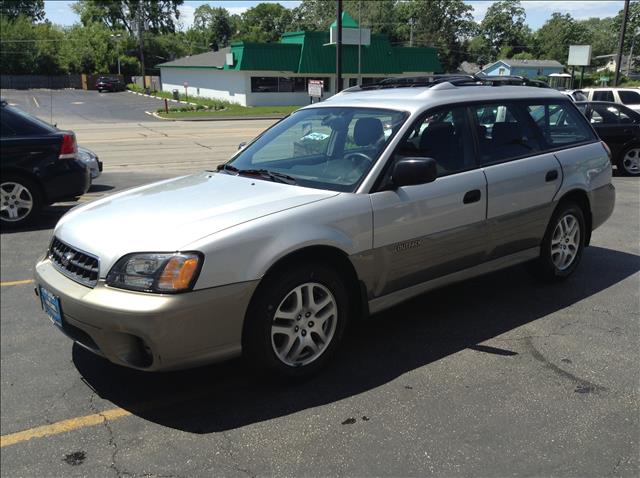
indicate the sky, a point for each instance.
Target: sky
{"x":60,"y":12}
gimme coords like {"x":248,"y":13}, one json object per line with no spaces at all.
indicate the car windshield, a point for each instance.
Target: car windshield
{"x":329,"y":148}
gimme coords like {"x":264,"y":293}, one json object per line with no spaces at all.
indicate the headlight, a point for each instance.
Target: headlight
{"x":156,"y":272}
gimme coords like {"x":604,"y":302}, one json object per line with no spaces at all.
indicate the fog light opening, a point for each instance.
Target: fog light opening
{"x":141,"y":354}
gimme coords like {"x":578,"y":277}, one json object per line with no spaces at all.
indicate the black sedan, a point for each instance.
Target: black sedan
{"x":105,"y":83}
{"x":39,"y":165}
{"x":619,"y":127}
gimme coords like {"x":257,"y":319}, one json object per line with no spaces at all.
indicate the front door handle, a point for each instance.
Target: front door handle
{"x":551,"y":175}
{"x":472,"y":196}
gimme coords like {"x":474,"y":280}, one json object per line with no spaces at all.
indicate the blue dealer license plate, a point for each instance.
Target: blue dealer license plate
{"x":51,"y":305}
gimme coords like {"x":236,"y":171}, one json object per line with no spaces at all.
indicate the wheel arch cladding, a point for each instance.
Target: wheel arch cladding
{"x":581,"y":198}
{"x":325,"y":255}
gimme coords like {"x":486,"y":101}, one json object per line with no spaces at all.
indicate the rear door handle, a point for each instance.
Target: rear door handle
{"x":551,"y":175}
{"x":472,"y":196}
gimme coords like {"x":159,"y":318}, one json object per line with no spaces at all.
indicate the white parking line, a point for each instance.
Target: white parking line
{"x":36,"y":102}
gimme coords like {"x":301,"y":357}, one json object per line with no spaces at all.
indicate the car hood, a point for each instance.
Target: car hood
{"x":166,"y":216}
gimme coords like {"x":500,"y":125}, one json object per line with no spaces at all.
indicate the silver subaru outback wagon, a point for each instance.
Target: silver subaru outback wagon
{"x":341,"y":210}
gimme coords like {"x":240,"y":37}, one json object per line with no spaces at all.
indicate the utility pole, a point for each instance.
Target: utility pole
{"x":625,"y":17}
{"x":141,"y":40}
{"x":412,"y":23}
{"x":359,"y":42}
{"x":339,"y":47}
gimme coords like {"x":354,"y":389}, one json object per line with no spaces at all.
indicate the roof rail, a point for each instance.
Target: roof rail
{"x":453,"y":79}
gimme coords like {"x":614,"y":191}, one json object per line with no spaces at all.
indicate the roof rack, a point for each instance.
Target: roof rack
{"x":453,"y":79}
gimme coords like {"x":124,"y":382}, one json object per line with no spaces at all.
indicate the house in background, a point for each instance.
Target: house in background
{"x":257,"y":74}
{"x":528,"y":68}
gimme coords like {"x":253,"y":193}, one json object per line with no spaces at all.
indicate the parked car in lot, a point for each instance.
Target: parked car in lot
{"x":575,"y":95}
{"x":105,"y":83}
{"x":91,"y":160}
{"x":343,"y":209}
{"x":619,"y":127}
{"x":39,"y":166}
{"x":629,"y":97}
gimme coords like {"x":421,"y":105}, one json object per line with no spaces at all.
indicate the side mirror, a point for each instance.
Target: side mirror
{"x":412,"y":171}
{"x":242,"y":145}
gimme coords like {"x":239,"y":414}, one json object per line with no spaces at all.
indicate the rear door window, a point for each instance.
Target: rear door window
{"x":560,"y":124}
{"x":603,"y":95}
{"x":610,"y":114}
{"x":504,"y":132}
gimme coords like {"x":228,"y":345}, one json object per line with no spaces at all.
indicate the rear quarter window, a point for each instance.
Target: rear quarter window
{"x":560,"y":124}
{"x":22,"y":124}
{"x":629,"y":97}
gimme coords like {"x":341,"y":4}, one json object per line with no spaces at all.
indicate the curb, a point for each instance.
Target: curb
{"x":221,"y":118}
{"x":160,"y":98}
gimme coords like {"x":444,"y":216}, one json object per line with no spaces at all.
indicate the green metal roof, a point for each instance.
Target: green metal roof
{"x":264,"y":56}
{"x":310,"y":53}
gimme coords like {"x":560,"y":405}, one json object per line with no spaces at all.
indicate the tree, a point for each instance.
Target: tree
{"x":633,"y":26}
{"x":158,"y":16}
{"x":265,"y":22}
{"x":555,"y":36}
{"x":212,"y":25}
{"x":600,"y":35}
{"x":29,"y":48}
{"x":504,"y":26}
{"x":12,"y":9}
{"x":444,"y":24}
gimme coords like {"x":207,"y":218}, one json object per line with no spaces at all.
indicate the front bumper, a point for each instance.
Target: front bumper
{"x":151,"y":331}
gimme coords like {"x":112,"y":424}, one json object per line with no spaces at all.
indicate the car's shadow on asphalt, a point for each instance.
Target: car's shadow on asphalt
{"x":402,"y":339}
{"x":47,"y":220}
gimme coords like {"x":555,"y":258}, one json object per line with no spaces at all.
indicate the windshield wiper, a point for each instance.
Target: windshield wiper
{"x":273,"y":175}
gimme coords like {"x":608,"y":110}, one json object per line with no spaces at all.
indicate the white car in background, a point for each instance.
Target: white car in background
{"x":630,"y":97}
{"x":91,"y":160}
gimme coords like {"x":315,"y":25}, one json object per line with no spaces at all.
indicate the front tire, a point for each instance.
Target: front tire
{"x":563,"y":243}
{"x":629,"y":162}
{"x":296,"y":321}
{"x":20,"y":201}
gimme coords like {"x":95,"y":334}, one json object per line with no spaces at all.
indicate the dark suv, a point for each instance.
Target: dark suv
{"x":38,"y":165}
{"x":105,"y":83}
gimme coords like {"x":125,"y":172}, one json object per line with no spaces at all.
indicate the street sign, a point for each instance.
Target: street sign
{"x":579,"y":55}
{"x":315,"y":88}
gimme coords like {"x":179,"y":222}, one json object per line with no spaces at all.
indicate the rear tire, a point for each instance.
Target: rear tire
{"x":296,"y":321}
{"x":629,"y":162}
{"x":20,"y":201}
{"x":562,"y":245}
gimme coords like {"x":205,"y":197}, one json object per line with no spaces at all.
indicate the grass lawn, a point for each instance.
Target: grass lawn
{"x":232,"y":110}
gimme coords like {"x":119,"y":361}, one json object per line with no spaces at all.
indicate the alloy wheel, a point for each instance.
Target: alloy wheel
{"x":16,"y":202}
{"x":565,"y":242}
{"x":304,"y":324}
{"x":631,"y":161}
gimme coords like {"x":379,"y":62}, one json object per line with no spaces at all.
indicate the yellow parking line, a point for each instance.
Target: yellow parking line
{"x":16,"y":282}
{"x":63,"y":426}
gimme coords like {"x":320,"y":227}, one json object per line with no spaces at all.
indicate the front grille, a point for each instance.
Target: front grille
{"x":78,"y":266}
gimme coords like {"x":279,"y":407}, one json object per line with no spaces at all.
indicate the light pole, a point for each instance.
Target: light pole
{"x":117,"y":36}
{"x":412,"y":23}
{"x":633,"y":42}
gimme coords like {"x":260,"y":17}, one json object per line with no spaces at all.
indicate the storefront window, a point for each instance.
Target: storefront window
{"x":264,"y":84}
{"x":272,"y":84}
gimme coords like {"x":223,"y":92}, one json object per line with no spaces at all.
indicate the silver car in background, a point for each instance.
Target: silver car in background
{"x":341,"y":210}
{"x":91,"y":160}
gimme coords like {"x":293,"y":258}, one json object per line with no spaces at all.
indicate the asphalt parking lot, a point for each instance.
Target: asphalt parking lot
{"x":497,"y":376}
{"x":79,"y":106}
